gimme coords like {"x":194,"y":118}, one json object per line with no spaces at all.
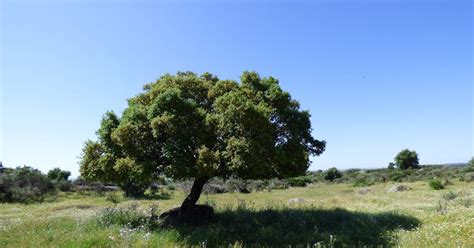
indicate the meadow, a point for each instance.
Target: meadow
{"x":318,"y":215}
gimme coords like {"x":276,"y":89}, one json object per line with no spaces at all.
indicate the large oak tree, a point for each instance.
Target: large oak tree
{"x":186,"y":126}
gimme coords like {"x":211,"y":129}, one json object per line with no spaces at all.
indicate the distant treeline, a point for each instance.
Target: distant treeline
{"x":27,"y":185}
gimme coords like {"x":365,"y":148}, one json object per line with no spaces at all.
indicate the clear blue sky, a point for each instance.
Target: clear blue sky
{"x":377,"y":76}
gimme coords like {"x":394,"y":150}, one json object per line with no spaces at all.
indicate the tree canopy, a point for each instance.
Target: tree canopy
{"x":188,"y":126}
{"x":332,"y":174}
{"x":407,"y":159}
{"x":57,"y":174}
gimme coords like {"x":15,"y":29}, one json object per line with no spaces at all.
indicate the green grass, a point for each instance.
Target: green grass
{"x":331,"y":215}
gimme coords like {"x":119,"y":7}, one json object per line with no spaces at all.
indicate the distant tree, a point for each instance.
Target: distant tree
{"x":471,"y":162}
{"x":407,"y":159}
{"x":1,"y":167}
{"x":391,"y":166}
{"x":57,"y":174}
{"x":331,"y":174}
{"x":198,"y":127}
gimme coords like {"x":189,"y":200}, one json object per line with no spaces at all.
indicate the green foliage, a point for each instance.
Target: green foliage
{"x":171,"y":186}
{"x":331,"y":174}
{"x":187,"y":126}
{"x":64,"y":186}
{"x":300,"y":181}
{"x":450,"y":195}
{"x":471,"y":162}
{"x":60,"y":179}
{"x":391,"y":166}
{"x":114,"y":197}
{"x":407,"y":159}
{"x":57,"y":174}
{"x":465,"y":199}
{"x":363,"y":180}
{"x":25,"y":185}
{"x":276,"y":184}
{"x":436,"y":184}
{"x":467,"y":177}
{"x":131,"y":216}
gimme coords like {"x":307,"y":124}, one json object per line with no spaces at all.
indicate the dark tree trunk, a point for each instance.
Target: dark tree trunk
{"x":190,"y":213}
{"x":187,"y":208}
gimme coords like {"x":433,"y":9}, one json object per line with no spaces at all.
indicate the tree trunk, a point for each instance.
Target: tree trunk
{"x":186,"y":210}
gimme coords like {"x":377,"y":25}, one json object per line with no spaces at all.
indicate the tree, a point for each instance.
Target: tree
{"x":391,"y":166}
{"x":407,"y":159}
{"x":331,"y":174}
{"x":57,"y":174}
{"x":186,"y":126}
{"x":471,"y":162}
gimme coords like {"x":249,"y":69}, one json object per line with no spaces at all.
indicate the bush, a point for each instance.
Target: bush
{"x":397,"y":175}
{"x":131,"y":216}
{"x":299,"y":181}
{"x":65,"y":186}
{"x":363,"y":181}
{"x":277,"y":184}
{"x":468,"y":177}
{"x":25,"y":185}
{"x":114,"y":197}
{"x":258,"y":185}
{"x":332,"y":174}
{"x":436,"y":184}
{"x":236,"y":185}
{"x":449,"y":196}
{"x":171,"y":186}
{"x":133,"y":189}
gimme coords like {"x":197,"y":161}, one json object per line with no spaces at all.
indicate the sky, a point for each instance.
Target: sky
{"x":378,"y":76}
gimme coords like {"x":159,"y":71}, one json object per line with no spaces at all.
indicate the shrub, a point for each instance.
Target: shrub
{"x":442,"y":207}
{"x":236,"y":185}
{"x":171,"y":186}
{"x":449,"y":196}
{"x":277,"y":184}
{"x":397,"y":176}
{"x":299,"y":181}
{"x":468,"y":177}
{"x":436,"y":184}
{"x":447,"y":181}
{"x":131,"y":216}
{"x":332,"y":174}
{"x":114,"y":197}
{"x":65,"y":186}
{"x":465,"y":199}
{"x":363,"y":181}
{"x":25,"y":185}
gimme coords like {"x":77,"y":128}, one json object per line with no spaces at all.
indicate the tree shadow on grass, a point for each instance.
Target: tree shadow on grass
{"x":283,"y":227}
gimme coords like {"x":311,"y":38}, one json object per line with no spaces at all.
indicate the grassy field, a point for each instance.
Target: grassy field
{"x":325,"y":215}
